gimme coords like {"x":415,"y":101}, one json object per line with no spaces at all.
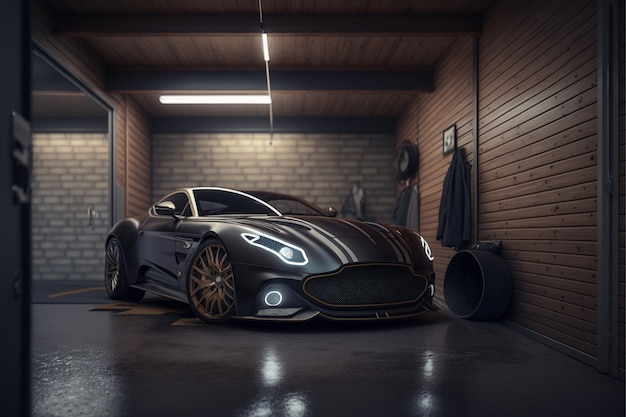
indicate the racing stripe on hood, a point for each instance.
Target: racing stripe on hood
{"x":344,"y":253}
{"x":351,"y":224}
{"x":393,"y":241}
{"x":398,"y":246}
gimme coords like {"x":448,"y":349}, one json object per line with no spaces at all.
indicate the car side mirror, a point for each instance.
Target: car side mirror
{"x":332,"y":212}
{"x":165,"y":208}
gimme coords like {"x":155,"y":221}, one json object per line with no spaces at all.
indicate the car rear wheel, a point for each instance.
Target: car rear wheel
{"x":211,"y":283}
{"x":115,"y":280}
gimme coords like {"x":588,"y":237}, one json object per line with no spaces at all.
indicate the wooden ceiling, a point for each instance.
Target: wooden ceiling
{"x":328,"y":58}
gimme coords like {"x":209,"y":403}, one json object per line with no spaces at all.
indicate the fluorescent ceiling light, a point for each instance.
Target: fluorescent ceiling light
{"x":215,"y":99}
{"x":266,"y":49}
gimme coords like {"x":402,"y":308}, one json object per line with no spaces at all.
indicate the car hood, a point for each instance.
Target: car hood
{"x":350,"y":240}
{"x":335,"y":227}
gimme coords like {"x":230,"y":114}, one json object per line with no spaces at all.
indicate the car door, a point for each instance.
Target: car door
{"x":157,"y":241}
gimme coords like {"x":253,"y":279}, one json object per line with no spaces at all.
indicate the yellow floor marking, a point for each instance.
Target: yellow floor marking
{"x":189,"y":321}
{"x":61,"y":294}
{"x":148,"y":310}
{"x":139,"y":309}
{"x":132,"y":309}
{"x":115,"y":306}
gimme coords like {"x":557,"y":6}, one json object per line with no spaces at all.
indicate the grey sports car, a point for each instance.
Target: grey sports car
{"x":268,"y":256}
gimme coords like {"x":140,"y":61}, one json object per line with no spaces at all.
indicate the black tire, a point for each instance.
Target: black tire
{"x":211,"y":283}
{"x":115,"y":281}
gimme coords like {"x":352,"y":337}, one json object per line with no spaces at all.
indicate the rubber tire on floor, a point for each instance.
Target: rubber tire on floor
{"x":115,"y":278}
{"x":211,"y":283}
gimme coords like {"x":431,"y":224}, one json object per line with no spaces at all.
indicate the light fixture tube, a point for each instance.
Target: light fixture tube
{"x":266,"y":49}
{"x":215,"y":99}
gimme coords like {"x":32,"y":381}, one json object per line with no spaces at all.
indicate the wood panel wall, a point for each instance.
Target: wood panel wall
{"x":537,"y":169}
{"x":134,"y":170}
{"x":538,"y":172}
{"x":424,"y":123}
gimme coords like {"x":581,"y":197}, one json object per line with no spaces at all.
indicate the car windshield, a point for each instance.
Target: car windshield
{"x":287,"y":204}
{"x":217,"y":202}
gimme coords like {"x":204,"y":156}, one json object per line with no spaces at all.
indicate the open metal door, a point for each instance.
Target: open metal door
{"x":14,"y":206}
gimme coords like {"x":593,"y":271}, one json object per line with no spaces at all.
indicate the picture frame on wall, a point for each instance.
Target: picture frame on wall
{"x":449,"y":140}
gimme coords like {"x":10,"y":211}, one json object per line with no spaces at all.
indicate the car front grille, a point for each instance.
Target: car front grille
{"x":367,"y":285}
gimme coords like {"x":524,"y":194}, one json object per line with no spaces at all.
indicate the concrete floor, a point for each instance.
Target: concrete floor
{"x":154,"y":359}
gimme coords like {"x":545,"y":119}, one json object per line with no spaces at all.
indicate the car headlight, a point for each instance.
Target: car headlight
{"x":286,"y":252}
{"x":427,"y":251}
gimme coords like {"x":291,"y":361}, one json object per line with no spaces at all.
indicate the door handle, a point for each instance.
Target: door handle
{"x":92,"y":215}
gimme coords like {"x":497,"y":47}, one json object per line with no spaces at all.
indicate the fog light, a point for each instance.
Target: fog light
{"x":273,"y":298}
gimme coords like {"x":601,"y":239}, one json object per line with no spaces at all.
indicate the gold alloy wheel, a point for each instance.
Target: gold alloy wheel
{"x":211,"y":284}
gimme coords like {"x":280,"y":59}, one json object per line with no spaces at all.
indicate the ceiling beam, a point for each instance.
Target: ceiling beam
{"x":45,"y":77}
{"x":435,"y":24}
{"x":130,"y":81}
{"x":280,"y":125}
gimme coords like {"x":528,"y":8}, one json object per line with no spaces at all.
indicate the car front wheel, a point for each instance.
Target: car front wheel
{"x":211,"y":283}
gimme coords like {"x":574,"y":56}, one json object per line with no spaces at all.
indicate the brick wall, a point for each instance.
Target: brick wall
{"x":70,"y":174}
{"x":321,"y":168}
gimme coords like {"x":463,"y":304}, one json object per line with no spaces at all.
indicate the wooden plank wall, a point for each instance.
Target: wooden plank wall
{"x":132,"y":154}
{"x":538,"y":159}
{"x":538,"y":167}
{"x":120,"y":144}
{"x":424,"y":123}
{"x":138,"y":160}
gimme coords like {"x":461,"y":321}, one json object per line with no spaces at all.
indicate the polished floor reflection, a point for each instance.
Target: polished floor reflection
{"x":159,"y":362}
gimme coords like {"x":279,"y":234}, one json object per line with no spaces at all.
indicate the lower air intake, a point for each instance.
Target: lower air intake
{"x":367,"y":285}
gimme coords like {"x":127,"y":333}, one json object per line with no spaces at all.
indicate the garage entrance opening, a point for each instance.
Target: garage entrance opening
{"x":71,"y":174}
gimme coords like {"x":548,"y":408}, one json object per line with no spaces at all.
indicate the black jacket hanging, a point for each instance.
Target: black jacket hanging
{"x":407,"y":211}
{"x":402,"y":207}
{"x":454,"y":209}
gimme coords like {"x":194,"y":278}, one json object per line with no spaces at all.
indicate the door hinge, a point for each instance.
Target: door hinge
{"x":21,"y":153}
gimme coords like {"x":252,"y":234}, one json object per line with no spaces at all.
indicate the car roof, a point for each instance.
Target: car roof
{"x":191,"y":190}
{"x":264,"y":196}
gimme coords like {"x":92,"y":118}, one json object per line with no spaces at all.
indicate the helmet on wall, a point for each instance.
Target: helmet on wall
{"x":407,"y":160}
